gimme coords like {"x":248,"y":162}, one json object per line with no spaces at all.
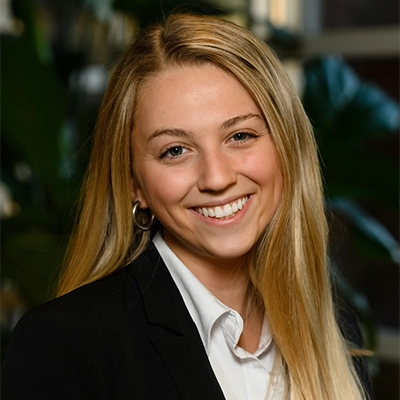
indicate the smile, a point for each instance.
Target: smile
{"x":223,"y":211}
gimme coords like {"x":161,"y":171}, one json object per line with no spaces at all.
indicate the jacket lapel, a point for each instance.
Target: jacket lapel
{"x":172,"y":330}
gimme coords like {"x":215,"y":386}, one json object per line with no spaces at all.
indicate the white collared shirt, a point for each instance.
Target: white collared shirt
{"x":240,"y":374}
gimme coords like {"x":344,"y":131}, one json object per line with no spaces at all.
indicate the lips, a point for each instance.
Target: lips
{"x":222,"y":211}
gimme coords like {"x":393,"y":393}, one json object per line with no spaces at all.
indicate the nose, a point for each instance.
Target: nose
{"x":216,"y":172}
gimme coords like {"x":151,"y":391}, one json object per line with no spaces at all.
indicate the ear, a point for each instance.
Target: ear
{"x":138,"y":194}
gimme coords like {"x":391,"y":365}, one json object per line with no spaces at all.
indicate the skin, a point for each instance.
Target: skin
{"x":200,"y":141}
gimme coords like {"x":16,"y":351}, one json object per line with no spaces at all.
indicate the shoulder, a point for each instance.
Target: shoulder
{"x":96,"y":307}
{"x":85,"y":313}
{"x":78,"y":313}
{"x":73,"y":338}
{"x":108,"y":299}
{"x":52,"y":351}
{"x":94,"y":312}
{"x":102,"y":296}
{"x":79,"y":307}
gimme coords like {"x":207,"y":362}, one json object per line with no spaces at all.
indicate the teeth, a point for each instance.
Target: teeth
{"x":225,"y":211}
{"x":219,"y":212}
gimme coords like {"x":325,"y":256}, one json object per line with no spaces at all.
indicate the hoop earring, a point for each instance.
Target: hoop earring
{"x":144,"y":227}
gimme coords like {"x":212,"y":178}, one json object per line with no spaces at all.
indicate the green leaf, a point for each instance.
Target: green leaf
{"x":368,"y":225}
{"x":330,"y":86}
{"x":351,"y":119}
{"x":338,"y":103}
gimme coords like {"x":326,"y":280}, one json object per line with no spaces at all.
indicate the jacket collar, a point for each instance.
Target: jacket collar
{"x":172,"y":330}
{"x":162,"y":301}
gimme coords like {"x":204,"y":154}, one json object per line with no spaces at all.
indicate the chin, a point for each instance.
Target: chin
{"x":230,"y":251}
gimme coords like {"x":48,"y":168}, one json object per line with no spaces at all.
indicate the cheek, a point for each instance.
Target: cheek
{"x":163,"y":187}
{"x":265,"y":169}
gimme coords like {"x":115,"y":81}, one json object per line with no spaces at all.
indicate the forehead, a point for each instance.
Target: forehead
{"x":183,"y":92}
{"x":182,"y":78}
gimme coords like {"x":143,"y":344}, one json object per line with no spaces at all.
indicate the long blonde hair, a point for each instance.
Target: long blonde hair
{"x":288,"y":264}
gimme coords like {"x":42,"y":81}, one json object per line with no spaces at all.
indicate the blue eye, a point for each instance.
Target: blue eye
{"x":240,"y":136}
{"x":243,"y":137}
{"x":175,"y":151}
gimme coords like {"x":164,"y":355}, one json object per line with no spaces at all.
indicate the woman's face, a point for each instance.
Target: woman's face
{"x":205,"y":163}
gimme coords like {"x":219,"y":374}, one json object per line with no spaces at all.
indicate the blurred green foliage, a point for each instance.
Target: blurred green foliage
{"x":350,"y":118}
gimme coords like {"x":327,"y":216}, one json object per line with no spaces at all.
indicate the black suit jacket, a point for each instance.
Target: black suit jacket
{"x":127,"y":336}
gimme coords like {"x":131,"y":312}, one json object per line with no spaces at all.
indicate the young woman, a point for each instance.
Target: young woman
{"x":217,"y":285}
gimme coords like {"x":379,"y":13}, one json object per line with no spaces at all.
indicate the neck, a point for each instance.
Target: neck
{"x":226,"y":279}
{"x":229,"y":285}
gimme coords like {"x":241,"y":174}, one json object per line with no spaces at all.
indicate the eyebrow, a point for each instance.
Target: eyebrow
{"x":171,"y":132}
{"x":236,"y":120}
{"x":188,"y":134}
